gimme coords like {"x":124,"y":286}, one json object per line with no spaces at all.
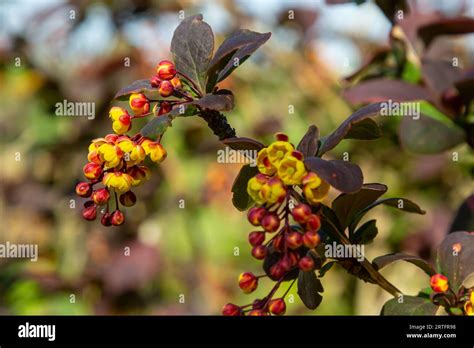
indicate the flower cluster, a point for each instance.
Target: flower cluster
{"x":440,"y":285}
{"x":289,"y":234}
{"x":117,"y":160}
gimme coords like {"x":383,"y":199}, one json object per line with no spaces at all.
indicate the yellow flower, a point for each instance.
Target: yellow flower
{"x":273,"y":191}
{"x":291,"y":170}
{"x":314,"y":188}
{"x":254,"y":187}
{"x":120,"y":182}
{"x":111,"y":155}
{"x":139,"y":103}
{"x":121,"y":120}
{"x":139,"y":174}
{"x":155,"y":150}
{"x":278,"y":150}
{"x":468,"y":306}
{"x":263,"y":163}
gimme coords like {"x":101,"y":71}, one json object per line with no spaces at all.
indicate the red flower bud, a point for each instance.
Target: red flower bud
{"x":259,"y":252}
{"x":89,"y":212}
{"x":439,"y":283}
{"x":276,"y":271}
{"x":166,"y":88}
{"x":311,"y":239}
{"x":92,"y":170}
{"x":101,"y":196}
{"x":285,"y":263}
{"x":277,"y":306}
{"x":313,"y":223}
{"x":176,"y":82}
{"x":165,"y":70}
{"x":117,"y":218}
{"x":165,"y":107}
{"x":270,"y":222}
{"x":297,"y":155}
{"x":294,"y":258}
{"x":279,"y":243}
{"x":83,"y":189}
{"x":256,"y":238}
{"x":255,"y":215}
{"x":105,"y":220}
{"x":139,"y":103}
{"x":306,"y":264}
{"x":155,"y":81}
{"x":111,"y":138}
{"x":281,"y":137}
{"x":128,"y":199}
{"x":294,"y":240}
{"x":231,"y":310}
{"x":248,"y":282}
{"x":257,"y":313}
{"x":301,"y":213}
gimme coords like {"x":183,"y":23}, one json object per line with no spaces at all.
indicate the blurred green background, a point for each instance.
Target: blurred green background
{"x":52,"y":51}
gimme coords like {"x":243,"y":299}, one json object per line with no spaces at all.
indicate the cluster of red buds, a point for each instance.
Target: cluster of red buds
{"x":289,"y":234}
{"x":117,"y":160}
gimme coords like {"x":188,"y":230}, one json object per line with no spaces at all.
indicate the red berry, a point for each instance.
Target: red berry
{"x":306,"y":264}
{"x":294,"y":240}
{"x":311,"y":239}
{"x":255,"y":215}
{"x":83,"y":189}
{"x":271,"y":222}
{"x":256,"y":238}
{"x":117,"y":218}
{"x":277,"y":306}
{"x":294,"y":258}
{"x":313,"y":223}
{"x":301,"y":213}
{"x":231,"y":310}
{"x":101,"y":196}
{"x":248,"y":282}
{"x":259,"y":252}
{"x":285,"y":263}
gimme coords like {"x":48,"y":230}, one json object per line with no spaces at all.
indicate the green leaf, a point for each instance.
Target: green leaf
{"x":223,"y":100}
{"x":411,"y":305}
{"x":330,"y":141}
{"x":241,"y":198}
{"x":366,"y":129}
{"x":309,"y":287}
{"x":365,"y":233}
{"x":232,"y":53}
{"x":308,"y":145}
{"x":457,"y":266}
{"x":382,"y":261}
{"x":343,"y":176}
{"x":399,"y":203}
{"x":192,"y":46}
{"x":139,"y":86}
{"x":347,"y":205}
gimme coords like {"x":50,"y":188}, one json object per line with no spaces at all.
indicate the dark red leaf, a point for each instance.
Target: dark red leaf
{"x":308,"y":145}
{"x":343,"y":176}
{"x":138,"y":86}
{"x":235,"y":49}
{"x":218,"y":102}
{"x":445,"y":26}
{"x":385,"y":260}
{"x":242,"y":143}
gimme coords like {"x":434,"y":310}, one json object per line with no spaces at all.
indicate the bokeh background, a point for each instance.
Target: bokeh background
{"x":46,"y":56}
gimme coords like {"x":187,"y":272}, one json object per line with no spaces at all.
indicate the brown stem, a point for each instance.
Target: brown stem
{"x":375,"y":275}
